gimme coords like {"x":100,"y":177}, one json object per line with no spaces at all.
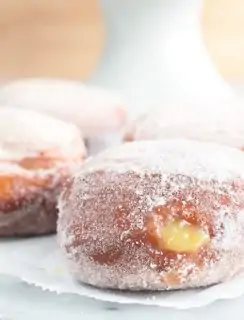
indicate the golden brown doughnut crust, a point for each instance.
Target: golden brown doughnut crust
{"x":29,"y":189}
{"x":113,"y":215}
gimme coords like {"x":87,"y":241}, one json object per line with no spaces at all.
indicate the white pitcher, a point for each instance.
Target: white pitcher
{"x":155,"y":52}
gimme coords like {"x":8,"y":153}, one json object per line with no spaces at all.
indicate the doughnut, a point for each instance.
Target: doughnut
{"x":93,"y":110}
{"x":209,"y":124}
{"x":37,"y":155}
{"x":155,"y":215}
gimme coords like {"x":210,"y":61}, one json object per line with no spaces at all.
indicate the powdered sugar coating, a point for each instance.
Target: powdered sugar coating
{"x":112,"y":212}
{"x":25,"y":132}
{"x":92,"y":109}
{"x":37,"y":155}
{"x":219,"y":124}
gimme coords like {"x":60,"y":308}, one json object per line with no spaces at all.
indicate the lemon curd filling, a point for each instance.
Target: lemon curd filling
{"x":180,"y":236}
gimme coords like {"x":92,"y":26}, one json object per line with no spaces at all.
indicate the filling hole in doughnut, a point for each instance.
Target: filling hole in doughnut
{"x":181,"y":236}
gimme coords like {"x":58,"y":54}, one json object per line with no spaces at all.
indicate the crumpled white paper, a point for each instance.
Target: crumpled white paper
{"x":38,"y":261}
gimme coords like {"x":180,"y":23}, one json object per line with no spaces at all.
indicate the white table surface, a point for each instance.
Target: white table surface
{"x":19,"y":301}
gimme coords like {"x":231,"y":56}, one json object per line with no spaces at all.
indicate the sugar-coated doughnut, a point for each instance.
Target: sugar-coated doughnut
{"x":219,"y":124}
{"x":155,"y":215}
{"x":37,"y":155}
{"x":92,"y":109}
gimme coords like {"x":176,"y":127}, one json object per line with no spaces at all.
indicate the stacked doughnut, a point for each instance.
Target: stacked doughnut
{"x":37,"y":155}
{"x":148,"y":215}
{"x":91,"y":109}
{"x":98,"y":113}
{"x":155,"y":215}
{"x":206,"y":123}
